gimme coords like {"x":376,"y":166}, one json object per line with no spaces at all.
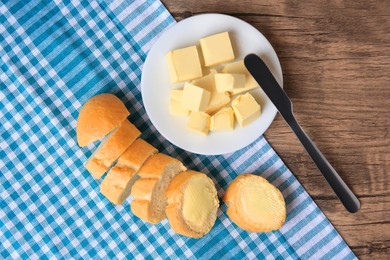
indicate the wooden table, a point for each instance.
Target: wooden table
{"x":335,"y":57}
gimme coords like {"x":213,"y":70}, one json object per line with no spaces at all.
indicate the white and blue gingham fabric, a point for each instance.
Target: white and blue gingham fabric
{"x":54,"y":55}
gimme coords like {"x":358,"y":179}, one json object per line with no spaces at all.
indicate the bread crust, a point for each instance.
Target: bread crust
{"x":148,"y":191}
{"x":143,"y":189}
{"x":136,"y":154}
{"x":175,"y":193}
{"x":154,"y":166}
{"x":99,"y":116}
{"x":116,"y":186}
{"x":111,"y":148}
{"x":141,"y":208}
{"x":234,"y":212}
{"x":118,"y":183}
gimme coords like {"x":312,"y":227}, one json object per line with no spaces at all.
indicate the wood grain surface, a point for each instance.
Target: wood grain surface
{"x":335,"y":57}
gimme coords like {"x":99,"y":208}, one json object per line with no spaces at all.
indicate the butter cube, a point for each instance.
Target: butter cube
{"x":176,"y":94}
{"x":199,"y":122}
{"x":222,"y":120}
{"x":217,"y":100}
{"x":229,"y":82}
{"x":176,"y":108}
{"x":239,"y":68}
{"x":184,"y":64}
{"x":216,"y":49}
{"x":246,"y":109}
{"x":195,"y":98}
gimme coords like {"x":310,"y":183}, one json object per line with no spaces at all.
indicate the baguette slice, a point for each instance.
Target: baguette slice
{"x":136,"y":154}
{"x":254,"y":204}
{"x":116,"y":186}
{"x":100,"y":115}
{"x":111,"y":148}
{"x":149,"y":191}
{"x":192,"y":204}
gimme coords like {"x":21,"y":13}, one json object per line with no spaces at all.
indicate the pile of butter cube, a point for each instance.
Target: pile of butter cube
{"x":212,"y":97}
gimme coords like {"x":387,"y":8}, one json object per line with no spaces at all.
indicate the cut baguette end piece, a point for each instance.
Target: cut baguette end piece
{"x":192,"y":204}
{"x":254,"y":204}
{"x":100,"y":115}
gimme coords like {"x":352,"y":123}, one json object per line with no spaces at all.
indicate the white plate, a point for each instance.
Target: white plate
{"x":155,"y":83}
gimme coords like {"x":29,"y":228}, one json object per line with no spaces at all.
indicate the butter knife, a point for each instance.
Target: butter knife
{"x":282,"y":102}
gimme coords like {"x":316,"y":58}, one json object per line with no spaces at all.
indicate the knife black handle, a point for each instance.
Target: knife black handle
{"x":279,"y":98}
{"x":346,"y":196}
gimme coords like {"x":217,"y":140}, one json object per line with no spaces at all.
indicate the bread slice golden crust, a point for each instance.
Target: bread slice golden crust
{"x":111,"y":148}
{"x":136,"y":154}
{"x":99,"y":116}
{"x":249,"y":194}
{"x":149,"y":191}
{"x":116,"y":186}
{"x":141,"y":208}
{"x":202,"y":222}
{"x":143,"y":189}
{"x":154,"y":167}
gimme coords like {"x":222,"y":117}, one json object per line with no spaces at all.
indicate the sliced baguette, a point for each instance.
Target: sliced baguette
{"x":111,"y":148}
{"x":136,"y":154}
{"x":254,"y":204}
{"x":116,"y":186}
{"x":143,"y":189}
{"x":192,"y":204}
{"x":100,"y":115}
{"x":149,"y":191}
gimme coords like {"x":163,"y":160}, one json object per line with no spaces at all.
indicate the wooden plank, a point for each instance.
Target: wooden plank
{"x":335,"y":57}
{"x":363,"y":168}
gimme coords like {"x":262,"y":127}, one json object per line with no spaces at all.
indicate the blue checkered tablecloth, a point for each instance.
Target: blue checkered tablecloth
{"x":54,"y":55}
